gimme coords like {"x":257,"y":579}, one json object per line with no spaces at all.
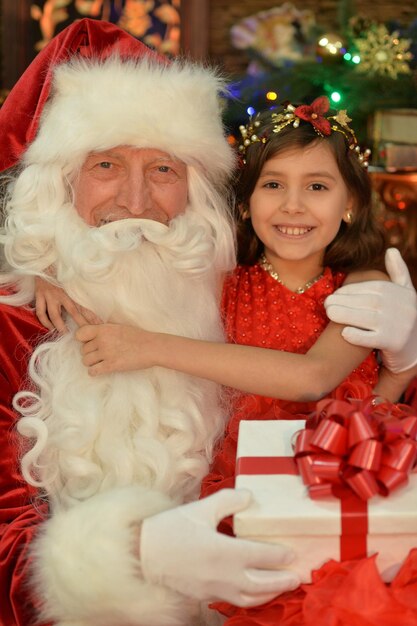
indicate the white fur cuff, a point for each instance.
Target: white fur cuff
{"x":86,"y":571}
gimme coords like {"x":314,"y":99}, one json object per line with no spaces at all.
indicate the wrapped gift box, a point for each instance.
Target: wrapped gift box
{"x":317,"y":530}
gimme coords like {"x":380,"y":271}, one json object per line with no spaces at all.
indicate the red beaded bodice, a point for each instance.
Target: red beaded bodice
{"x":259,"y":311}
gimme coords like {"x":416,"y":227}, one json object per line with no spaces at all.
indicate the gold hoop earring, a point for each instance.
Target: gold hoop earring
{"x":245,"y":214}
{"x":348,"y":217}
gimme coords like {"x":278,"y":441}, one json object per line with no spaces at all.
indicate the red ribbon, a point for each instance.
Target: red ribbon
{"x":266,"y":465}
{"x":362,"y":447}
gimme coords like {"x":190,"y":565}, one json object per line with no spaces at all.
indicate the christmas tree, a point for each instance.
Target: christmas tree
{"x":364,"y":67}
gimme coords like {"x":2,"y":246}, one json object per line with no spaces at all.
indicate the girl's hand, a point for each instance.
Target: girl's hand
{"x":50,"y":303}
{"x":115,"y":348}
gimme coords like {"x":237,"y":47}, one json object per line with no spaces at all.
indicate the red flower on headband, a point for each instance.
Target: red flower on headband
{"x":314,"y":113}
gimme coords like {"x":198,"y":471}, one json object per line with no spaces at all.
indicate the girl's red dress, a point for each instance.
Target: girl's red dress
{"x":259,"y":311}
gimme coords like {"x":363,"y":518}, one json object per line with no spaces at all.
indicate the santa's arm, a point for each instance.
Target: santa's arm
{"x":86,"y":570}
{"x":20,"y":512}
{"x":19,"y":522}
{"x":381,"y":314}
{"x":79,"y":566}
{"x":128,"y":556}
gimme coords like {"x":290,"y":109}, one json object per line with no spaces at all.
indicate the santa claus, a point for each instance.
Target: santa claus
{"x":118,"y":197}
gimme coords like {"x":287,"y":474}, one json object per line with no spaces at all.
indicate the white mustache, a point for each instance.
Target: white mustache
{"x":127,"y":234}
{"x":92,"y":252}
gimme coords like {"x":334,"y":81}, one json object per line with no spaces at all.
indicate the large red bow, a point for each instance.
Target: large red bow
{"x":366,"y":447}
{"x":314,"y":113}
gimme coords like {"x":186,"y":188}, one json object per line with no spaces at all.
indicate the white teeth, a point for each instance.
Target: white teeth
{"x":293,"y":230}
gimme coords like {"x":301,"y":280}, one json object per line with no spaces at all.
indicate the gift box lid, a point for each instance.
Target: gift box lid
{"x":281,"y":505}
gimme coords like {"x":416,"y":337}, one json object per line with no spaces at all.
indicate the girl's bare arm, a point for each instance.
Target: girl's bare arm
{"x":266,"y":372}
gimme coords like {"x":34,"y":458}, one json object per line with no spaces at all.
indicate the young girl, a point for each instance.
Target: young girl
{"x":305,"y":227}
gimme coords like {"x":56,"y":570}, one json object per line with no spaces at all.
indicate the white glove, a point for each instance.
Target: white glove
{"x":181,"y":549}
{"x":384,"y":313}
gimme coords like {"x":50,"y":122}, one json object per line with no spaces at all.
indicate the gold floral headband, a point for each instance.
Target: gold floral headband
{"x":313,"y":113}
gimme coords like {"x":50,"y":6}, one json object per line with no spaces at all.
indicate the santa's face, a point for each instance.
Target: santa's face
{"x":126,"y":182}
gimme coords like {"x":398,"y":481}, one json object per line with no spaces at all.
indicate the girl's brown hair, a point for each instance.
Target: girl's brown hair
{"x":358,"y":245}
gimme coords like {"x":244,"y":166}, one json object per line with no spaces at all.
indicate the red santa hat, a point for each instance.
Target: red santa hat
{"x":94,"y":86}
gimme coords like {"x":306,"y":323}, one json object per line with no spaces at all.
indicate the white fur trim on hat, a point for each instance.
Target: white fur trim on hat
{"x":96,"y":105}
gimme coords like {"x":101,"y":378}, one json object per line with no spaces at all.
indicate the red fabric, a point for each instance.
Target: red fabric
{"x":410,"y":396}
{"x":19,"y":517}
{"x":20,"y":114}
{"x":342,"y":594}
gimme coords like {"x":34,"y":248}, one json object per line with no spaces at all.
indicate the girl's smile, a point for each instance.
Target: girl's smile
{"x":293,"y":231}
{"x":297,"y":207}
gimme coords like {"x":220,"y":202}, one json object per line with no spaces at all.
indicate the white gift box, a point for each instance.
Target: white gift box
{"x":282,"y":512}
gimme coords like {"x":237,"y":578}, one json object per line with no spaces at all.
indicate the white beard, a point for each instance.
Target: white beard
{"x":154,"y":427}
